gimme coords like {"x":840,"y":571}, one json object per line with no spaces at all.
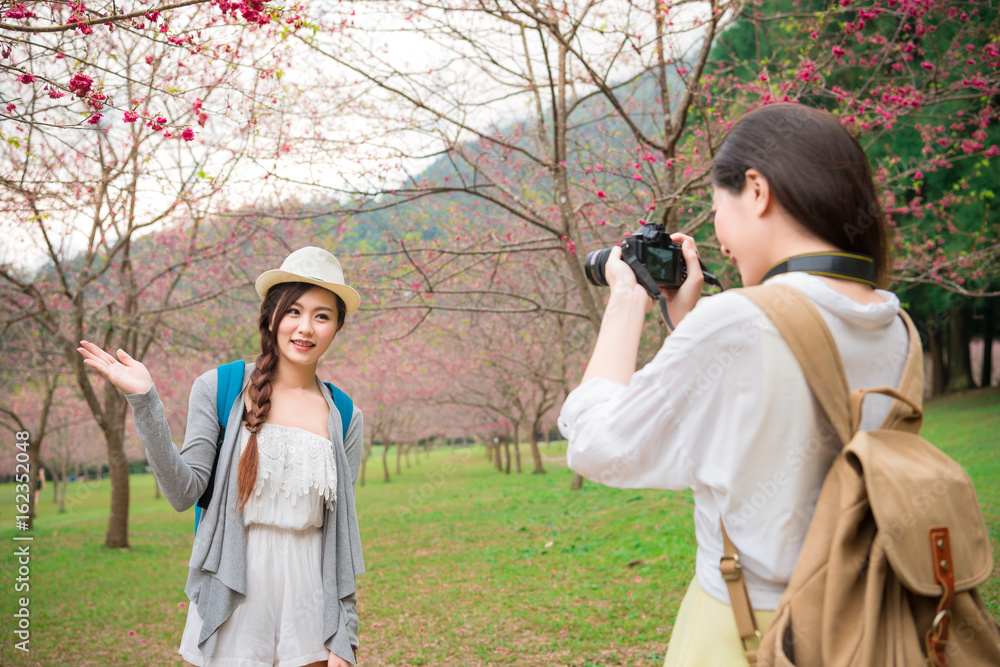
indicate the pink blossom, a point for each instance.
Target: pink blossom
{"x":187,"y":134}
{"x":25,"y":78}
{"x":95,"y":119}
{"x":600,"y":194}
{"x":919,"y":175}
{"x":838,"y":51}
{"x":992,"y":151}
{"x":637,"y":177}
{"x":927,"y":66}
{"x":19,"y":12}
{"x":11,"y":107}
{"x":56,"y":94}
{"x":131,"y":117}
{"x":80,"y":84}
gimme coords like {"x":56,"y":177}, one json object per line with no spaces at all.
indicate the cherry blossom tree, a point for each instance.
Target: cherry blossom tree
{"x":552,"y":129}
{"x":120,"y":213}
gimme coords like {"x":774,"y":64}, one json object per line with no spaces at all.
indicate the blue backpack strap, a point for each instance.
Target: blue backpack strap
{"x":344,"y":405}
{"x":230,"y":383}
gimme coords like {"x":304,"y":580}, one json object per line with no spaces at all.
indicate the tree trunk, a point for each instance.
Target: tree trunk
{"x":364,"y":460}
{"x":34,"y":465}
{"x":577,"y":483}
{"x":517,"y":448}
{"x":506,"y":452}
{"x":115,"y":407}
{"x":497,"y":456}
{"x":406,"y":453}
{"x":399,"y":457}
{"x":959,"y":358}
{"x":536,"y":455}
{"x":986,"y":370}
{"x":938,"y":369}
{"x":64,"y":484}
{"x":385,"y":459}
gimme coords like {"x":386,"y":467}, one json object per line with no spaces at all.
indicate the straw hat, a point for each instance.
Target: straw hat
{"x":315,"y":266}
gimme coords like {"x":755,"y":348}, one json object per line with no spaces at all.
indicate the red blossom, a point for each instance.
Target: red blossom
{"x":95,"y":119}
{"x":80,"y":84}
{"x":25,"y":78}
{"x":187,"y":134}
{"x":19,"y":12}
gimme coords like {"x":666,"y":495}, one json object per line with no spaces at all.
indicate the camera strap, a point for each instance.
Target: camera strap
{"x":844,"y":265}
{"x":645,"y":278}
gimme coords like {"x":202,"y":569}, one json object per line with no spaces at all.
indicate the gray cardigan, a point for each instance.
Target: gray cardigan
{"x":217,"y":578}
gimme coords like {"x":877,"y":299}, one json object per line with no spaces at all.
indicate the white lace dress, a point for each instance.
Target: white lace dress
{"x":280,"y":623}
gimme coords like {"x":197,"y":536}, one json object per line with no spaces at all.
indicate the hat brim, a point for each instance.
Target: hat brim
{"x":269,"y":279}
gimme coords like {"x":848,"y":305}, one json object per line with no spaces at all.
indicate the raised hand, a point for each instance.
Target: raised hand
{"x":129,"y":375}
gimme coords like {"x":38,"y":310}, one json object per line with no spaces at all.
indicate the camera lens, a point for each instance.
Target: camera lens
{"x":594,"y":265}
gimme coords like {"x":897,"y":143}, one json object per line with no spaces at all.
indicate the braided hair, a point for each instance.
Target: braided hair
{"x":276,"y":303}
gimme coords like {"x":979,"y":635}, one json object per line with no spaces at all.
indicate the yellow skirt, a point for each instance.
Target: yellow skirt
{"x":705,"y":632}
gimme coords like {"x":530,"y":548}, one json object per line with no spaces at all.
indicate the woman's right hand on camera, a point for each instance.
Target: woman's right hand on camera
{"x":129,"y":375}
{"x":621,"y":278}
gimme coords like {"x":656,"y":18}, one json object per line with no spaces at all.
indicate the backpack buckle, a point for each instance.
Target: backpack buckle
{"x":729,"y":566}
{"x":756,"y":636}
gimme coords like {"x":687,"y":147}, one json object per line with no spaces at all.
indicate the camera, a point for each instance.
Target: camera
{"x":652,"y":247}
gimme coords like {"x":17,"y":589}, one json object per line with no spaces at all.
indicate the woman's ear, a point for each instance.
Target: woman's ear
{"x":759,"y":192}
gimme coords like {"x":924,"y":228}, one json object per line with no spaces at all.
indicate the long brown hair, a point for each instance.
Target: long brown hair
{"x":817,"y":171}
{"x":274,"y":306}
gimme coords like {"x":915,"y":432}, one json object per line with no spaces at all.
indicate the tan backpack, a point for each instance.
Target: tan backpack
{"x":897,"y":544}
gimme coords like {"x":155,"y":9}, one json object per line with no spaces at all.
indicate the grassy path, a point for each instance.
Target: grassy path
{"x":465,"y":566}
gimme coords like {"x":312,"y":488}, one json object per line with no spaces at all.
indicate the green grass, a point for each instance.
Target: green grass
{"x":466,"y":566}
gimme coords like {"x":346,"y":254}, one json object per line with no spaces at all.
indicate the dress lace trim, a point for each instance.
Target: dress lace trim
{"x":292,"y":461}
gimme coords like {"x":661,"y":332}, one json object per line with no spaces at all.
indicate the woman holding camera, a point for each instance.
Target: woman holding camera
{"x":272,"y":578}
{"x":724,"y":408}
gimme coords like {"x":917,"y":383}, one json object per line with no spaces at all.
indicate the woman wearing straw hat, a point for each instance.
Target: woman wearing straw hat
{"x":272,"y":578}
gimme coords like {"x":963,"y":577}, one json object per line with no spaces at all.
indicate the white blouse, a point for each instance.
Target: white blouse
{"x":725,"y":410}
{"x":290,"y":462}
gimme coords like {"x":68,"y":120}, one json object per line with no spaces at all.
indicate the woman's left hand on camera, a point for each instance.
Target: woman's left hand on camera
{"x":682,"y":301}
